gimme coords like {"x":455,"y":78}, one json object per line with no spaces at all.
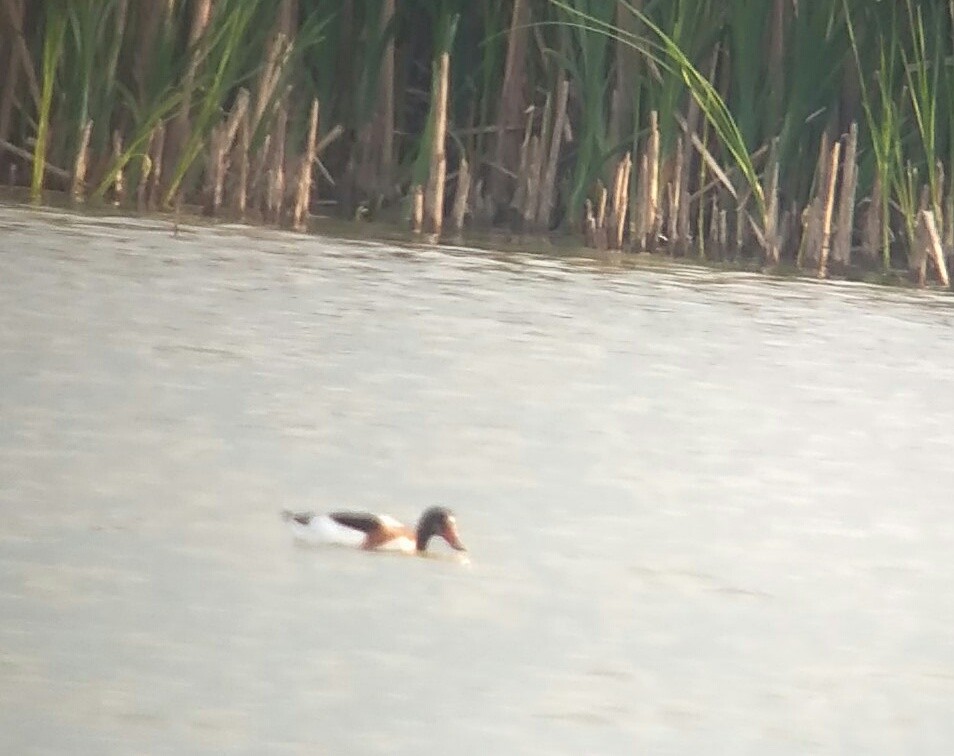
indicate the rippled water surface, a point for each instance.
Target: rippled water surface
{"x":707,"y":512}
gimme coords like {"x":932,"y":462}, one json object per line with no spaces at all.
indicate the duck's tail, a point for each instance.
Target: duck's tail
{"x":302,"y":518}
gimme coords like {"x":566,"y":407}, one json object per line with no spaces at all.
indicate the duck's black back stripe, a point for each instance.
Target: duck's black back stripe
{"x":363,"y":521}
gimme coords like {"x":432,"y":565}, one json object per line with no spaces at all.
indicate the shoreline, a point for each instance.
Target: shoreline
{"x":500,"y":240}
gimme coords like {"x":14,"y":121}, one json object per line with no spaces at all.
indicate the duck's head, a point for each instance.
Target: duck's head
{"x":438,"y":521}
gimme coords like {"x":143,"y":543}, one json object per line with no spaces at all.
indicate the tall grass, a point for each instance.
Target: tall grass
{"x":725,"y":80}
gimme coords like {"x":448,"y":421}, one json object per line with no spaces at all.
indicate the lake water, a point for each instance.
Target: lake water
{"x":707,"y":512}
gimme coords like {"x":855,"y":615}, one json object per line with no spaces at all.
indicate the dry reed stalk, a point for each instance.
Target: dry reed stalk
{"x":601,"y":206}
{"x":613,"y":133}
{"x":637,"y":213}
{"x":788,"y":226}
{"x":589,"y":224}
{"x":675,"y":198}
{"x":375,"y":154}
{"x":512,"y":102}
{"x":627,"y":66}
{"x":871,"y":237}
{"x":386,"y":100}
{"x":80,"y":165}
{"x":652,"y":214}
{"x":930,"y":248}
{"x":434,"y":195}
{"x":223,"y":138}
{"x":275,"y":175}
{"x":328,"y":138}
{"x":482,"y":205}
{"x":240,"y":156}
{"x":535,"y":172}
{"x":949,"y":223}
{"x":813,"y":215}
{"x":700,"y":235}
{"x":841,"y":247}
{"x":158,"y":142}
{"x":460,"y":198}
{"x":682,"y":232}
{"x":303,"y":193}
{"x":417,"y":209}
{"x":535,"y":161}
{"x":275,"y":58}
{"x":621,"y":200}
{"x":520,"y":192}
{"x":828,"y":210}
{"x":723,"y":232}
{"x":119,"y":182}
{"x":600,"y":236}
{"x":740,"y":226}
{"x":48,"y":167}
{"x":548,"y":187}
{"x":257,"y":175}
{"x":201,"y":13}
{"x":714,"y":226}
{"x":936,"y":197}
{"x":770,"y":241}
{"x":145,"y":173}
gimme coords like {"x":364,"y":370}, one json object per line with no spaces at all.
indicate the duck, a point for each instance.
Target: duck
{"x":375,"y":532}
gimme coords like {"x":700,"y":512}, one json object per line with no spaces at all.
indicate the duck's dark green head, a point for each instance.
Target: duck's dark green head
{"x":438,"y":521}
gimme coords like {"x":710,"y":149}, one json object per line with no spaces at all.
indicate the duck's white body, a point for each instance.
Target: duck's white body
{"x":322,"y":529}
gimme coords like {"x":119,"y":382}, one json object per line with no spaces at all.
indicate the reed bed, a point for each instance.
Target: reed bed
{"x":809,"y":133}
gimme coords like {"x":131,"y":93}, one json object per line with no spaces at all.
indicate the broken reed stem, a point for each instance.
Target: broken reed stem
{"x":460,"y":198}
{"x":242,"y":146}
{"x":652,"y":215}
{"x":841,"y":246}
{"x":675,"y":197}
{"x":417,"y":209}
{"x":275,"y":176}
{"x":81,"y":164}
{"x":811,"y":241}
{"x":303,"y":191}
{"x":511,"y":104}
{"x":119,"y":183}
{"x":589,"y":224}
{"x":223,"y":138}
{"x":258,"y":177}
{"x":28,"y":156}
{"x":520,"y":193}
{"x":158,"y":142}
{"x":434,"y":196}
{"x":948,"y":240}
{"x":929,"y":248}
{"x":770,"y":222}
{"x":548,"y":186}
{"x":600,"y":241}
{"x":682,"y":221}
{"x":621,"y":200}
{"x":871,"y":236}
{"x":534,"y":163}
{"x":637,"y":220}
{"x":201,"y":13}
{"x":829,"y":206}
{"x":145,"y":173}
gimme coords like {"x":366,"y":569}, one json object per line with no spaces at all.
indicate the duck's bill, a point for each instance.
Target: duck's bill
{"x":450,"y":535}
